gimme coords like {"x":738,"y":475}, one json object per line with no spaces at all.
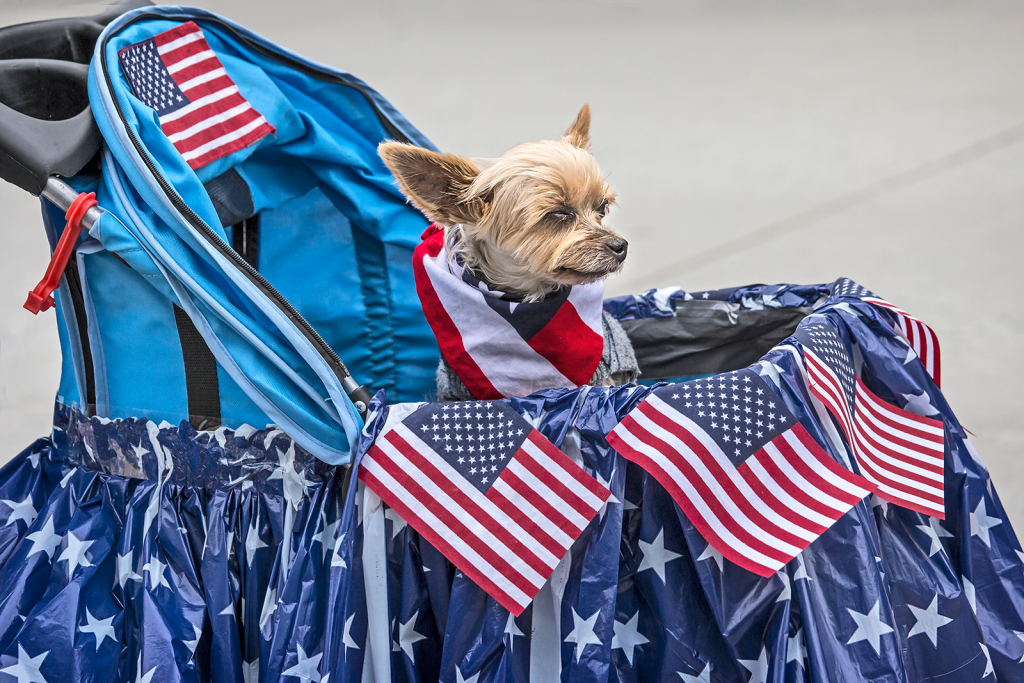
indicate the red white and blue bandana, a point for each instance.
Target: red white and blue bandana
{"x":500,"y":347}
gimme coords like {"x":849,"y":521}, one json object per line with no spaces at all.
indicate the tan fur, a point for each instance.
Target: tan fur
{"x":499,"y":218}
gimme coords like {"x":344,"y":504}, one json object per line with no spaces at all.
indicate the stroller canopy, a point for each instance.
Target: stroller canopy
{"x":223,"y":287}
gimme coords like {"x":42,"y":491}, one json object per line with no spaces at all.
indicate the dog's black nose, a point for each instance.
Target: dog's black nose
{"x":618,"y":247}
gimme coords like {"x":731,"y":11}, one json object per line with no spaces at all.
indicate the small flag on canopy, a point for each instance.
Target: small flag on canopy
{"x":200,"y":108}
{"x":487,"y":490}
{"x":745,"y":472}
{"x":903,"y":453}
{"x":918,"y":335}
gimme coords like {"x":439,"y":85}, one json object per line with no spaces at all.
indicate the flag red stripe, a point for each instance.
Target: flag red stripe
{"x":578,"y":473}
{"x":913,"y":466}
{"x":565,"y":340}
{"x":438,"y":541}
{"x":234,"y":146}
{"x":545,"y":508}
{"x":703,"y":526}
{"x":826,"y":387}
{"x":523,"y":520}
{"x":205,"y":88}
{"x":557,"y":487}
{"x":806,"y":497}
{"x":172,"y":57}
{"x":923,"y":428}
{"x":834,"y":468}
{"x":915,"y":480}
{"x":203,"y":136}
{"x":470,"y":507}
{"x":763,"y":490}
{"x":173,"y":34}
{"x":900,"y":495}
{"x":698,"y":483}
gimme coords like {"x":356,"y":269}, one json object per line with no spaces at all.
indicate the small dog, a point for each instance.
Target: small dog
{"x":525,"y":228}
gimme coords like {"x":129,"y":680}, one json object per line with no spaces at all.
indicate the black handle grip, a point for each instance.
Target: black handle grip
{"x":46,"y":125}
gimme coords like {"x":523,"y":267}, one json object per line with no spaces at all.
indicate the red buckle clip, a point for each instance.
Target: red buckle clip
{"x":41,"y":298}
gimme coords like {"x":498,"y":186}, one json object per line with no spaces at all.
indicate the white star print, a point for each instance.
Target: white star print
{"x":511,"y":630}
{"x":612,"y":499}
{"x":877,"y":502}
{"x":934,"y":531}
{"x":969,"y":592}
{"x":929,"y":621}
{"x":338,"y":560}
{"x":704,"y":676}
{"x":796,"y":650}
{"x":101,"y":629}
{"x":711,"y":554}
{"x":656,"y":556}
{"x":75,"y":555}
{"x":306,"y":668}
{"x":627,"y":637}
{"x":801,"y":570}
{"x":787,"y":587}
{"x":157,"y":577}
{"x":346,"y":636}
{"x":870,"y":627}
{"x":582,"y":633}
{"x":459,"y":679}
{"x":981,"y":523}
{"x":325,"y":535}
{"x":253,"y":542}
{"x":27,"y":668}
{"x":143,"y":677}
{"x":758,"y":668}
{"x":919,"y":404}
{"x":194,"y":643}
{"x":988,"y":661}
{"x":124,"y":569}
{"x":24,"y":511}
{"x":44,"y":540}
{"x":407,"y":636}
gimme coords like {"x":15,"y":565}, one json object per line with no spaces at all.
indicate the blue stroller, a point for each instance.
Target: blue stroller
{"x":194,"y":514}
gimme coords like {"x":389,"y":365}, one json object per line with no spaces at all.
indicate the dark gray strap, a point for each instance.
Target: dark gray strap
{"x":200,"y":374}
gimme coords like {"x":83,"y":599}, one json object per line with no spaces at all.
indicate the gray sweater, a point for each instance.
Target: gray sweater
{"x":618,"y":365}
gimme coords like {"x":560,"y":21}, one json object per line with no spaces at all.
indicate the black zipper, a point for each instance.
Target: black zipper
{"x":332,"y":358}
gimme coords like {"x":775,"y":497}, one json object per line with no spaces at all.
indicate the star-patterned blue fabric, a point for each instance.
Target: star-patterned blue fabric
{"x":136,"y":551}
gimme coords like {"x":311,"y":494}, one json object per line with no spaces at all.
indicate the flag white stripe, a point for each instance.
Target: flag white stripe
{"x":191,"y":60}
{"x":865,"y":429}
{"x":456,"y":479}
{"x":210,"y":121}
{"x":549,"y":496}
{"x":637,"y":443}
{"x":224,"y":139}
{"x":898,"y":470}
{"x":794,"y":475}
{"x":452,"y":538}
{"x":197,"y":104}
{"x":202,"y":78}
{"x":535,"y":515}
{"x":812,"y":463}
{"x":567,"y":480}
{"x":180,"y":42}
{"x":898,"y":496}
{"x":787,"y":500}
{"x":468,"y":520}
{"x":712,"y":481}
{"x":925,"y":427}
{"x":828,"y":385}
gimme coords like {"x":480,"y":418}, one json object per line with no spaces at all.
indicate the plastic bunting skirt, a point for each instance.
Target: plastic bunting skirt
{"x":132,"y":551}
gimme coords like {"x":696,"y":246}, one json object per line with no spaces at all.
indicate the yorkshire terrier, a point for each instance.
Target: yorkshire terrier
{"x":524,"y":233}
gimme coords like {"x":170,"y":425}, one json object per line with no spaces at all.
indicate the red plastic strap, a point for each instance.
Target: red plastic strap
{"x":41,"y":298}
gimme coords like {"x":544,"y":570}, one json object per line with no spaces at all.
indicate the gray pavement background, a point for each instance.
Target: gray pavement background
{"x":748,"y":141}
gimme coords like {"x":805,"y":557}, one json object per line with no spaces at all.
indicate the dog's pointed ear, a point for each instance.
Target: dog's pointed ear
{"x":578,"y":134}
{"x":435,"y":183}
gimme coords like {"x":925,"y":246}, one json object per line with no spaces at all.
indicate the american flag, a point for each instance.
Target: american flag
{"x":745,"y":472}
{"x":921,"y":338}
{"x":901,"y":452}
{"x":200,"y":108}
{"x":487,"y":490}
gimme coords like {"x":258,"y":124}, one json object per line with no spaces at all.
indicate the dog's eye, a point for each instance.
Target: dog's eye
{"x":560,"y":215}
{"x":602,"y":208}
